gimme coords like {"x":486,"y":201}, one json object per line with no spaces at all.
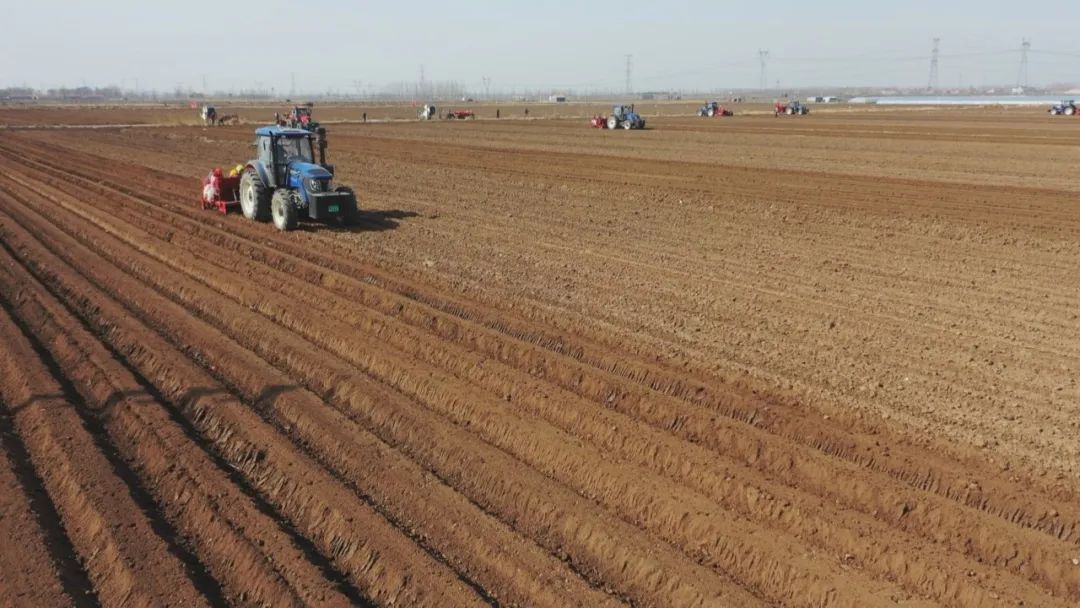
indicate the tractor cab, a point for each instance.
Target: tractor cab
{"x":621,"y":111}
{"x":286,"y":153}
{"x":287,"y":180}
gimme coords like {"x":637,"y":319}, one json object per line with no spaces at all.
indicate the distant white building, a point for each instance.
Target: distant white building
{"x":557,"y":99}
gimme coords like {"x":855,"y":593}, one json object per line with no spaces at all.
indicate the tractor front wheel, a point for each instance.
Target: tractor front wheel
{"x":254,"y":197}
{"x":284,"y":210}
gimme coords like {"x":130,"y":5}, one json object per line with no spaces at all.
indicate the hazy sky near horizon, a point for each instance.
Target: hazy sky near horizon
{"x":330,"y":45}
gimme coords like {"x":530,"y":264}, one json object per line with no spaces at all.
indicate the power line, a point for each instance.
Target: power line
{"x":934,"y":82}
{"x":1022,"y":78}
{"x":629,"y":68}
{"x":763,"y":56}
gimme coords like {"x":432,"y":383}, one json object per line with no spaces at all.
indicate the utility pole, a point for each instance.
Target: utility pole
{"x":423,"y":88}
{"x":935,"y":82}
{"x":629,"y":72}
{"x":1022,"y":80}
{"x":487,"y":87}
{"x":763,"y":56}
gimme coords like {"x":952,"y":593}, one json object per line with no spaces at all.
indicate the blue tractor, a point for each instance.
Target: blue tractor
{"x":284,"y":183}
{"x":625,"y":117}
{"x":1065,"y":108}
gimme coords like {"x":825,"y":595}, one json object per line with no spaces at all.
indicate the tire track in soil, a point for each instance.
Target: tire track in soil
{"x":44,"y":572}
{"x":1057,"y":559}
{"x":111,"y":527}
{"x":317,"y":507}
{"x":668,"y":590}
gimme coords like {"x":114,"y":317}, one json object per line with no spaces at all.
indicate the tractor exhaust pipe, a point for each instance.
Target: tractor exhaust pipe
{"x":320,"y":134}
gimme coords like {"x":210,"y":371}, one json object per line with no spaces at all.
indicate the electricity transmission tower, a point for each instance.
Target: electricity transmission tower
{"x":935,"y":81}
{"x":763,"y":56}
{"x":1022,"y":80}
{"x":629,"y":68}
{"x":487,"y":87}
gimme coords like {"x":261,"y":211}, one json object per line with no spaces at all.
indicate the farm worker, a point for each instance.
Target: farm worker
{"x":365,"y":116}
{"x":213,"y":185}
{"x":496,"y":112}
{"x":526,"y":112}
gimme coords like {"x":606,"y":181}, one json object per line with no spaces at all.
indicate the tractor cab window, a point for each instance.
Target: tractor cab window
{"x":263,"y":146}
{"x":291,"y":149}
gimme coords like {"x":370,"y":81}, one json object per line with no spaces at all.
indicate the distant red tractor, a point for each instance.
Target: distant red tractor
{"x":598,"y":122}
{"x":460,"y":114}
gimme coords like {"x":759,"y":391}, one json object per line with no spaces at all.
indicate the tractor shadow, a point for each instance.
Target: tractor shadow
{"x":367,"y":220}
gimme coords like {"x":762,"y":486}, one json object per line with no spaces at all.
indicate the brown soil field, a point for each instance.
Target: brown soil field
{"x":826,"y":361}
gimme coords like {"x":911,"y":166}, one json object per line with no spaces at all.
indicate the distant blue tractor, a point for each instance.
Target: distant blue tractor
{"x":625,"y":117}
{"x":285,"y":183}
{"x":1065,"y":108}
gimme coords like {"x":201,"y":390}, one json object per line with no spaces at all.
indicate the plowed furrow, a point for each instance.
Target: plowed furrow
{"x":127,"y":561}
{"x":458,"y":529}
{"x":242,"y":547}
{"x":646,"y":447}
{"x":1006,"y":549}
{"x":952,"y":480}
{"x":44,"y":572}
{"x":665,"y":585}
{"x":726,"y":545}
{"x":377,"y":558}
{"x":989,"y":549}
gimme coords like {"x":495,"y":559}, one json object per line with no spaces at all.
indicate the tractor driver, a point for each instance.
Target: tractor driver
{"x":294,"y":148}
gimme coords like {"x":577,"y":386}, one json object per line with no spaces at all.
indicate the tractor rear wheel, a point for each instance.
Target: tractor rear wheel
{"x":254,"y":197}
{"x":283,"y":209}
{"x":612,"y":122}
{"x":1069,"y":111}
{"x":712,"y":112}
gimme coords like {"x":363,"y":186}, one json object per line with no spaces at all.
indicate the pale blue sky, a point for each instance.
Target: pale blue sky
{"x":541,"y":44}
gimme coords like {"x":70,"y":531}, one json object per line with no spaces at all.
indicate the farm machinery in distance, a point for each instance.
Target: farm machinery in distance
{"x":1065,"y":108}
{"x":621,"y":116}
{"x":460,"y":114}
{"x":300,"y":117}
{"x":283,"y":183}
{"x":713,"y":109}
{"x":791,"y":108}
